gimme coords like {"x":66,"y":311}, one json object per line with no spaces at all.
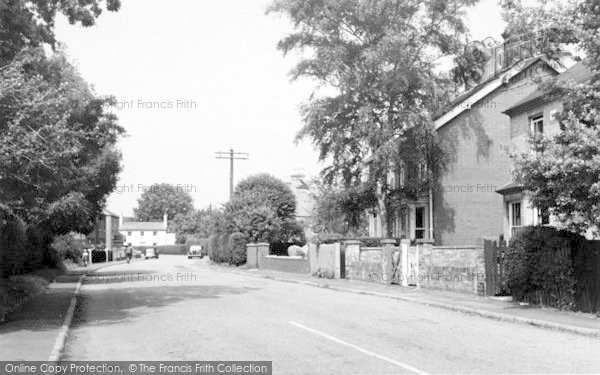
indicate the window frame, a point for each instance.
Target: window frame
{"x":534,"y":123}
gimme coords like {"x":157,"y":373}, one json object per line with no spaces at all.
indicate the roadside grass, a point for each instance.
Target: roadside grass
{"x":17,"y":290}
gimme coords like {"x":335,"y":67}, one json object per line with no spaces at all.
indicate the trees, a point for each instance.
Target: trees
{"x":57,"y":154}
{"x":562,"y":173}
{"x":263,"y":209}
{"x":195,"y":223}
{"x":58,"y":160}
{"x":377,"y":61}
{"x":158,"y":199}
{"x":30,"y":23}
{"x":341,"y":210}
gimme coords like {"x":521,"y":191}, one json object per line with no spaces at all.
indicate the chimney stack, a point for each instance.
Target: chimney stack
{"x":165,"y":220}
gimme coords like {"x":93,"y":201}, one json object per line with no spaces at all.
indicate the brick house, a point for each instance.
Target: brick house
{"x":106,"y":231}
{"x":476,"y":196}
{"x":535,"y":113}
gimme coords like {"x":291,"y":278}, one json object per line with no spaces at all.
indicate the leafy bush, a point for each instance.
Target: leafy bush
{"x":66,"y":247}
{"x":218,"y":248}
{"x":237,"y":242}
{"x":13,"y":242}
{"x":539,"y":265}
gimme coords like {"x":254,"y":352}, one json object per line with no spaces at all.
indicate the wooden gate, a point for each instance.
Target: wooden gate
{"x":495,"y":268}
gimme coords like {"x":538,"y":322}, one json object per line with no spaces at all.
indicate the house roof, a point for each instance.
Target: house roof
{"x":577,"y":73}
{"x":106,"y":212}
{"x":476,"y":94}
{"x":513,"y":187}
{"x":143,"y":225}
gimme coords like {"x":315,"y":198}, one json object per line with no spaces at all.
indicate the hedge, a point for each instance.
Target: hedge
{"x":13,"y":243}
{"x":329,"y":238}
{"x":227,"y":248}
{"x":554,"y":268}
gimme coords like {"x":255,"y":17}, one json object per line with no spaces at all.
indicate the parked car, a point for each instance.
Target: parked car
{"x":151,"y":253}
{"x":195,"y":251}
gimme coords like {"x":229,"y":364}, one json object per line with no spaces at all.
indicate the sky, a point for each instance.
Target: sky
{"x":195,"y":77}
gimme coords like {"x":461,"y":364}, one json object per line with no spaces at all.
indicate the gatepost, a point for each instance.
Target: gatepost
{"x":424,"y":245}
{"x":388,"y":260}
{"x":404,"y":245}
{"x":262,"y":250}
{"x":252,"y":255}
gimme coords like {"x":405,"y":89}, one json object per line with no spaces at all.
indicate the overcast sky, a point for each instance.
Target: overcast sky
{"x":194,"y":77}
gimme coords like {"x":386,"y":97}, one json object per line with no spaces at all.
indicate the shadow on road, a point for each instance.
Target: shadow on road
{"x":113,"y":306}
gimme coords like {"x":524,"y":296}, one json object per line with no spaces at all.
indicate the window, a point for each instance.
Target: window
{"x":515,"y":216}
{"x":543,"y":216}
{"x":141,"y":233}
{"x":422,"y":171}
{"x":401,"y":175}
{"x":154,"y":233}
{"x":129,"y":233}
{"x":375,"y":233}
{"x":420,"y":222}
{"x":536,"y":123}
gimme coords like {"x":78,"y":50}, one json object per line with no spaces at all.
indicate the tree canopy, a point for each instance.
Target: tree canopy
{"x":57,"y":141}
{"x":377,"y":60}
{"x":263,"y":209}
{"x":30,"y":23}
{"x":158,"y":199}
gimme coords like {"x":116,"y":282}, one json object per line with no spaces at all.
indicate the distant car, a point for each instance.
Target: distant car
{"x":195,"y":252}
{"x":151,"y":253}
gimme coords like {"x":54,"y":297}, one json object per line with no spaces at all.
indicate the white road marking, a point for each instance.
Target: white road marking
{"x":358,"y":348}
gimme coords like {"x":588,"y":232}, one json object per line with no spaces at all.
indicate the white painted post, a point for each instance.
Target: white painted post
{"x":404,"y":244}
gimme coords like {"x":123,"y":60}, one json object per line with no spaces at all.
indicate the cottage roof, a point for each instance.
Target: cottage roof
{"x":513,"y":187}
{"x":577,"y":73}
{"x":143,"y":226}
{"x":106,"y":212}
{"x":478,"y":93}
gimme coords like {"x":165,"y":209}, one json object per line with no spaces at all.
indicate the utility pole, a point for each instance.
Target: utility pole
{"x":231,"y":155}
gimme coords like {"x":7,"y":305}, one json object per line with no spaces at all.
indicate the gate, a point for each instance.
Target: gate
{"x":495,"y":268}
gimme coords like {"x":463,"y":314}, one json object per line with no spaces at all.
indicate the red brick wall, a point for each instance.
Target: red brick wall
{"x":466,"y":205}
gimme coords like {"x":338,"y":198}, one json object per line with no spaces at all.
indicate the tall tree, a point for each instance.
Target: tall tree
{"x":57,"y":142}
{"x":263,"y":209}
{"x":377,"y":60}
{"x":158,"y":199}
{"x":195,"y":223}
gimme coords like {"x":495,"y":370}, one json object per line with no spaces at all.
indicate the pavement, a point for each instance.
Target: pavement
{"x":31,"y":332}
{"x":499,"y":308}
{"x":174,"y":308}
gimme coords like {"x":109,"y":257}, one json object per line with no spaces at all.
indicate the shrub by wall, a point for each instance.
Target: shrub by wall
{"x":237,"y":242}
{"x":13,"y":242}
{"x":218,"y":248}
{"x":66,"y":247}
{"x":540,"y":267}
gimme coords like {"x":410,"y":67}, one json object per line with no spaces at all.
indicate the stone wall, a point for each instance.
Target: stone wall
{"x":453,"y":268}
{"x":324,"y":257}
{"x":368,"y":264}
{"x":285,"y":264}
{"x":257,"y":256}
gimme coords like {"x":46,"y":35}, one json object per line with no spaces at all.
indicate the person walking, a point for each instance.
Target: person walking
{"x":85,"y":257}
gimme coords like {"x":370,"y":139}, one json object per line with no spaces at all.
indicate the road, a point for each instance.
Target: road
{"x":174,"y":308}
